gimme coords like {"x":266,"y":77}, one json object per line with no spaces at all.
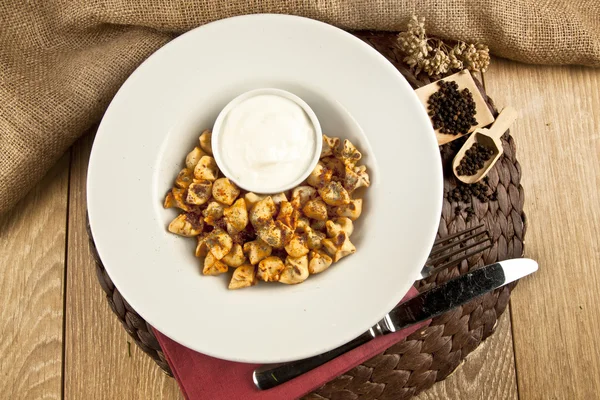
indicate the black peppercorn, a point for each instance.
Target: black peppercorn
{"x":452,"y":111}
{"x":474,"y":160}
{"x":464,"y":193}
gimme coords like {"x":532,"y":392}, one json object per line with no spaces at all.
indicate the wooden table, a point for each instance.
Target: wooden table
{"x":58,"y":337}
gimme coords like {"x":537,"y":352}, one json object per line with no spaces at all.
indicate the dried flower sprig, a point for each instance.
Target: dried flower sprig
{"x":435,"y":57}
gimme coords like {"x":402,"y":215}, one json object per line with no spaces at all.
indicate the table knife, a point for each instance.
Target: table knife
{"x":420,"y":308}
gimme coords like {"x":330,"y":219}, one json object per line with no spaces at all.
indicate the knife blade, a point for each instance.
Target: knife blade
{"x":420,"y":308}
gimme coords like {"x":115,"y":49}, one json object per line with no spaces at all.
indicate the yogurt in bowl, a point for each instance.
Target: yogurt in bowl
{"x":267,"y":140}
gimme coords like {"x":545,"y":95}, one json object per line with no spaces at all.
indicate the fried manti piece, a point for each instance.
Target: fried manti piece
{"x":205,"y":141}
{"x":316,"y":209}
{"x":340,"y":224}
{"x":355,"y":178}
{"x":213,"y":212}
{"x":225,"y":191}
{"x":286,"y":232}
{"x":329,"y":144}
{"x":318,"y":226}
{"x":275,"y":234}
{"x":335,"y":165}
{"x":297,"y":246}
{"x":270,"y":268}
{"x":262,"y":212}
{"x":360,"y":169}
{"x":175,"y":199}
{"x":191,"y":160}
{"x":319,"y":261}
{"x":244,"y":236}
{"x":301,"y":195}
{"x":199,"y":192}
{"x":314,"y":239}
{"x":296,"y":270}
{"x":219,"y":243}
{"x":288,"y":215}
{"x":334,"y":194}
{"x":339,"y":246}
{"x":184,"y":178}
{"x":257,"y":250}
{"x":303,"y":224}
{"x":278,"y":198}
{"x":236,"y":217}
{"x":206,"y":169}
{"x":169,"y":200}
{"x":212,"y":266}
{"x":320,"y":176}
{"x":351,"y":210}
{"x":243,"y":276}
{"x":235,"y":257}
{"x":251,"y":199}
{"x":201,"y":249}
{"x":347,"y":153}
{"x":186,"y":224}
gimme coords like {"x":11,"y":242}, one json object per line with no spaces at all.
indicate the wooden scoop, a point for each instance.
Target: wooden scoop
{"x":489,"y":138}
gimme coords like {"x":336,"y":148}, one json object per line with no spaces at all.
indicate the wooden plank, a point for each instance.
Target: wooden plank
{"x":97,"y":360}
{"x":488,"y":373}
{"x":32,"y":254}
{"x":554,"y":313}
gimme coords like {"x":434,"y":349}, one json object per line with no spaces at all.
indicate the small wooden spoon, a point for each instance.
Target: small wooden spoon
{"x":489,"y":138}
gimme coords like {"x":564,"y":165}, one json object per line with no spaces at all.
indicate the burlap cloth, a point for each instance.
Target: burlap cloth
{"x":61,"y":62}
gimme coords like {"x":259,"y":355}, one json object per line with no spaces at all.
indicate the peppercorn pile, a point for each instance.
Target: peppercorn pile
{"x":452,"y":111}
{"x":464,"y":193}
{"x":474,"y":160}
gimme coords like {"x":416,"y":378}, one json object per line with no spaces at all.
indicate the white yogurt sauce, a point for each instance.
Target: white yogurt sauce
{"x":267,"y":142}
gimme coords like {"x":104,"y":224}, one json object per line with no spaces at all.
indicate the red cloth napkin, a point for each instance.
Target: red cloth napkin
{"x":203,"y":377}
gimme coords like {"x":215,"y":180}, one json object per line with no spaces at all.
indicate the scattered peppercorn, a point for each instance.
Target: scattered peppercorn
{"x":452,"y":111}
{"x":470,"y":213}
{"x":474,"y":160}
{"x":463,"y":193}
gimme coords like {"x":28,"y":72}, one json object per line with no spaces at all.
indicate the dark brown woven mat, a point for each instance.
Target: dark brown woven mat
{"x":432,"y":353}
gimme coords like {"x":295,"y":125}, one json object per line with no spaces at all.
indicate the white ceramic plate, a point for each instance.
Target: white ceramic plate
{"x":155,"y":119}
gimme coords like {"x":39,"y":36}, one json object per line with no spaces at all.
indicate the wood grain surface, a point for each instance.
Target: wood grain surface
{"x":101,"y":360}
{"x":59,"y":338}
{"x":32,"y":266}
{"x":555,"y":313}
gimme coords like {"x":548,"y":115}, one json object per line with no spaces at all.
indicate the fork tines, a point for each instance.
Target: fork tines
{"x":450,"y":246}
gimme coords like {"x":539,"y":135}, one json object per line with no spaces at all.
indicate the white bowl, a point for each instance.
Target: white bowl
{"x":156,"y":118}
{"x":216,"y":136}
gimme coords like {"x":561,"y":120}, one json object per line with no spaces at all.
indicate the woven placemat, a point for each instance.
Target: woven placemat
{"x":432,"y":353}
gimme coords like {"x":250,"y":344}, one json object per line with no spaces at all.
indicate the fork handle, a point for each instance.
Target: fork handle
{"x":270,"y":376}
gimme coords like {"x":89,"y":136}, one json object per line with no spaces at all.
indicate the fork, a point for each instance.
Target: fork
{"x":444,"y":249}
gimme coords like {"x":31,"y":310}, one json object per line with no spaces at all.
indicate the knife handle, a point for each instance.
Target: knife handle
{"x":270,"y":376}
